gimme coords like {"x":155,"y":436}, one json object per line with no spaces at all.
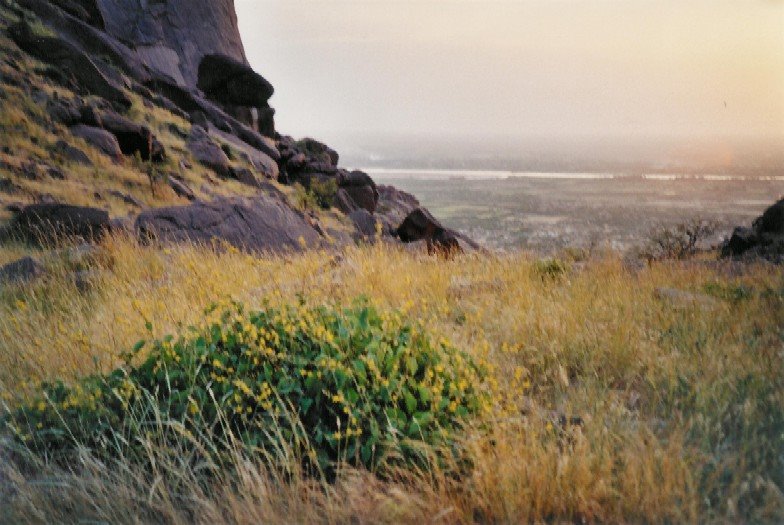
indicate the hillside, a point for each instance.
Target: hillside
{"x":126,"y":112}
{"x":205,"y":320}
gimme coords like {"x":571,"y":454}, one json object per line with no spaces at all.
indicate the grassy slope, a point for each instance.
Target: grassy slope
{"x":28,"y":134}
{"x":681,"y":403}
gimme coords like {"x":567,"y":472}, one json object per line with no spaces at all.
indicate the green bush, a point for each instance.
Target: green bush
{"x":550,"y":269}
{"x":324,"y":192}
{"x":336,"y":384}
{"x":304,"y":199}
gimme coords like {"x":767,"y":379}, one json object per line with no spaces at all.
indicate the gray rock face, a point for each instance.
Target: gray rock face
{"x":365,"y":223}
{"x":207,"y":152}
{"x":261,"y":224}
{"x":172,"y":36}
{"x":70,"y":63}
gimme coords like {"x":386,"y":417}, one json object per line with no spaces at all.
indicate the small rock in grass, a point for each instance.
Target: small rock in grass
{"x":24,"y":270}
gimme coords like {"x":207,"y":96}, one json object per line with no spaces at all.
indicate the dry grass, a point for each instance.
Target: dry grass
{"x":680,"y":400}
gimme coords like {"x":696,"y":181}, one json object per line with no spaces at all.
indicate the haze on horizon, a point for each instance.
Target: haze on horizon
{"x":540,"y":68}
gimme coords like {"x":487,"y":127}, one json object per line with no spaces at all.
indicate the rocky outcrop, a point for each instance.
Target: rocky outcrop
{"x":240,"y":91}
{"x":367,"y":225}
{"x":231,"y":82}
{"x":106,"y":129}
{"x":318,"y":152}
{"x":261,"y":224}
{"x":420,"y":225}
{"x":160,"y":46}
{"x":765,"y":238}
{"x":173,"y":36}
{"x":186,"y":57}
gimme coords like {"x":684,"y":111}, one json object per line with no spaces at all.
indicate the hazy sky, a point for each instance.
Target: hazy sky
{"x":527,"y":67}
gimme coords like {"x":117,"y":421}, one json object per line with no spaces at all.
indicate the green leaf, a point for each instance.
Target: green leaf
{"x":412,"y":364}
{"x":410,"y":400}
{"x":424,"y":394}
{"x":361,"y":371}
{"x":352,"y":396}
{"x":363,"y":319}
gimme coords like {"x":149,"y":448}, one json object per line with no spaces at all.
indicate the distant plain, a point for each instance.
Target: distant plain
{"x":546,"y":212}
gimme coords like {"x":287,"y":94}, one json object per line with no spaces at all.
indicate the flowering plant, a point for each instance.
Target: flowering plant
{"x":349,"y":384}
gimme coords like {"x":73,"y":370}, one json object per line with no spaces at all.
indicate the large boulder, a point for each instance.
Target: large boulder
{"x":360,"y":188}
{"x":318,"y":152}
{"x":69,"y":61}
{"x":765,"y":239}
{"x":207,"y":152}
{"x":48,"y":222}
{"x":260,"y":224}
{"x":420,"y":225}
{"x":231,"y":82}
{"x":101,"y":139}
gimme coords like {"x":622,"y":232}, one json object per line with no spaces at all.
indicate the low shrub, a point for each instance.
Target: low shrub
{"x":678,"y":242}
{"x":337,"y":385}
{"x":550,"y":269}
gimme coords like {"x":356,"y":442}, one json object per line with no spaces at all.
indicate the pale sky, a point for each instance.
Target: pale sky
{"x":521,"y":68}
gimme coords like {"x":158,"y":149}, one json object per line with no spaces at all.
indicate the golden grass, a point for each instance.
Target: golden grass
{"x":680,"y":400}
